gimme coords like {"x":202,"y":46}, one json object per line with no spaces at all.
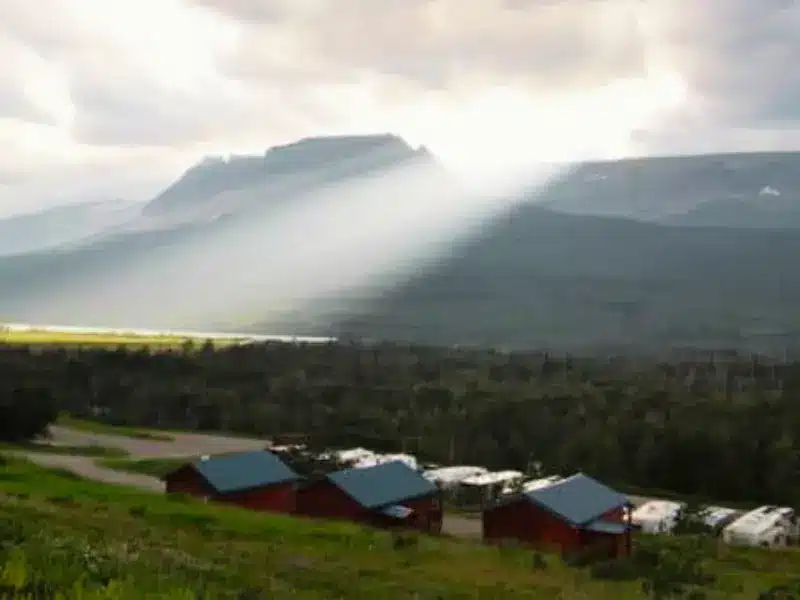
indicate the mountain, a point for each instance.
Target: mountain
{"x":61,"y":225}
{"x":284,"y":170}
{"x":770,"y":209}
{"x":218,"y":199}
{"x":540,"y":279}
{"x":637,"y":271}
{"x":662,"y":189}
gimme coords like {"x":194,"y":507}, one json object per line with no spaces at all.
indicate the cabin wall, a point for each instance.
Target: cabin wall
{"x":427,"y":516}
{"x":606,"y":544}
{"x":274,"y":498}
{"x":188,"y":481}
{"x":526,"y":523}
{"x":279,"y":498}
{"x":322,"y":499}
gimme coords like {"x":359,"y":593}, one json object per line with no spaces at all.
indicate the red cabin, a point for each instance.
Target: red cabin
{"x":255,"y":480}
{"x":390,"y":495}
{"x":575,"y":514}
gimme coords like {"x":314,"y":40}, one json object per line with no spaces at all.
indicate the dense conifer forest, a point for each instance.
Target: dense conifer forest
{"x":718,"y":427}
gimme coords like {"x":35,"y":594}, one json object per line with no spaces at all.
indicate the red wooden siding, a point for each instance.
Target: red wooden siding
{"x":323,"y":499}
{"x":531,"y":525}
{"x":187,"y":481}
{"x":273,"y":498}
{"x":526,"y":523}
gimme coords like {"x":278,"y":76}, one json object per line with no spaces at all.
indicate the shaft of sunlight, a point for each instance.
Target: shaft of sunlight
{"x":344,"y":242}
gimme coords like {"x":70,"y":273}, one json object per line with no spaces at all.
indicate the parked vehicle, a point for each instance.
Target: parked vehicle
{"x":766,"y":526}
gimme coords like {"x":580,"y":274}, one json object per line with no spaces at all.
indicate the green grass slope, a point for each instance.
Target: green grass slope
{"x":62,"y":535}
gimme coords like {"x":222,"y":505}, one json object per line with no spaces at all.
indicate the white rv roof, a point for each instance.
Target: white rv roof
{"x":455,"y":474}
{"x":492,"y":478}
{"x":287,"y":447}
{"x":759,"y":520}
{"x":714,"y":515}
{"x":656,"y":510}
{"x":379,"y":459}
{"x":353,"y":454}
{"x":538,"y":484}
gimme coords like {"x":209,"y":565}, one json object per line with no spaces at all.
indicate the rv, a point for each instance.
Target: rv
{"x":716,"y":518}
{"x":767,"y":526}
{"x":657,"y":516}
{"x":531,"y":485}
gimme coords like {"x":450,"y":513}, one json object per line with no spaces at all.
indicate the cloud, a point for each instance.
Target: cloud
{"x":174,"y":79}
{"x":441,"y":44}
{"x":737,"y":56}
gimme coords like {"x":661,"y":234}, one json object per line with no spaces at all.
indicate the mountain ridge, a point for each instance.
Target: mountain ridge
{"x":317,"y":158}
{"x":641,"y":270}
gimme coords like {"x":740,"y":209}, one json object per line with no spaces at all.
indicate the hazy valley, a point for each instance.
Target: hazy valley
{"x":650,"y":253}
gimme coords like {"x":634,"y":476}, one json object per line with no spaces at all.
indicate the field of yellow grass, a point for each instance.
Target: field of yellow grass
{"x":54,"y":337}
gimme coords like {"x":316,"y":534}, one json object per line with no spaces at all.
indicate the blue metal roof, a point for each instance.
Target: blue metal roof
{"x":578,"y":499}
{"x":243,"y":471}
{"x":602,"y":526}
{"x":381,"y":485}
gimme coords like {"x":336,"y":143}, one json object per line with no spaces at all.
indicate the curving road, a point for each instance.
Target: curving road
{"x":86,"y":467}
{"x":182,"y":444}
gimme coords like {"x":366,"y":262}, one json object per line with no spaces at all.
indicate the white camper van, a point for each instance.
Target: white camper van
{"x":767,"y":526}
{"x":531,"y":485}
{"x":657,"y":516}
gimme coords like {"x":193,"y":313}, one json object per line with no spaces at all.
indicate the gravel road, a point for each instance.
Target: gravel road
{"x":182,"y":444}
{"x":86,"y":467}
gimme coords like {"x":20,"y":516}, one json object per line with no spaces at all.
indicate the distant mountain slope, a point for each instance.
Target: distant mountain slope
{"x":539,"y":277}
{"x":290,"y":168}
{"x":214,"y":200}
{"x":766,"y":211}
{"x":60,"y":225}
{"x":656,"y":188}
{"x":542,"y":279}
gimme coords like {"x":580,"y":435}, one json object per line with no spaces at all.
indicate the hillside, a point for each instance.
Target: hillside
{"x":763,"y":212}
{"x":60,"y":225}
{"x":281,"y":172}
{"x":76,"y":538}
{"x":656,"y":189}
{"x":539,"y":279}
{"x":545,"y":276}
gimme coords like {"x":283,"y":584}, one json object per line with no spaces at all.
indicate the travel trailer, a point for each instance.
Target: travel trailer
{"x":767,"y":526}
{"x":717,"y":518}
{"x":657,"y":516}
{"x":531,"y":485}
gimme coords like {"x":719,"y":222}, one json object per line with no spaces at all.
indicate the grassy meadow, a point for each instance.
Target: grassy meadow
{"x":63,"y":535}
{"x":52,"y":337}
{"x":155,"y":467}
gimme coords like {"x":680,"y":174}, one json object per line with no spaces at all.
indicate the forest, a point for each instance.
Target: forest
{"x":720,"y":427}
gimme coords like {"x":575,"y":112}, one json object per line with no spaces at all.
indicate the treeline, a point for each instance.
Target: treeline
{"x":722,"y":429}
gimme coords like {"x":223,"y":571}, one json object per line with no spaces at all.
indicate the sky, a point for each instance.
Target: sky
{"x":114,"y":99}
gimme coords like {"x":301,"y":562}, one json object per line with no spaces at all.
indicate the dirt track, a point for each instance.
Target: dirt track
{"x":86,"y":467}
{"x":183,"y":444}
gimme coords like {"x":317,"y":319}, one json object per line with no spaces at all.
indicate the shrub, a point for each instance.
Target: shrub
{"x":538,"y":562}
{"x":623,"y":569}
{"x":404,"y":540}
